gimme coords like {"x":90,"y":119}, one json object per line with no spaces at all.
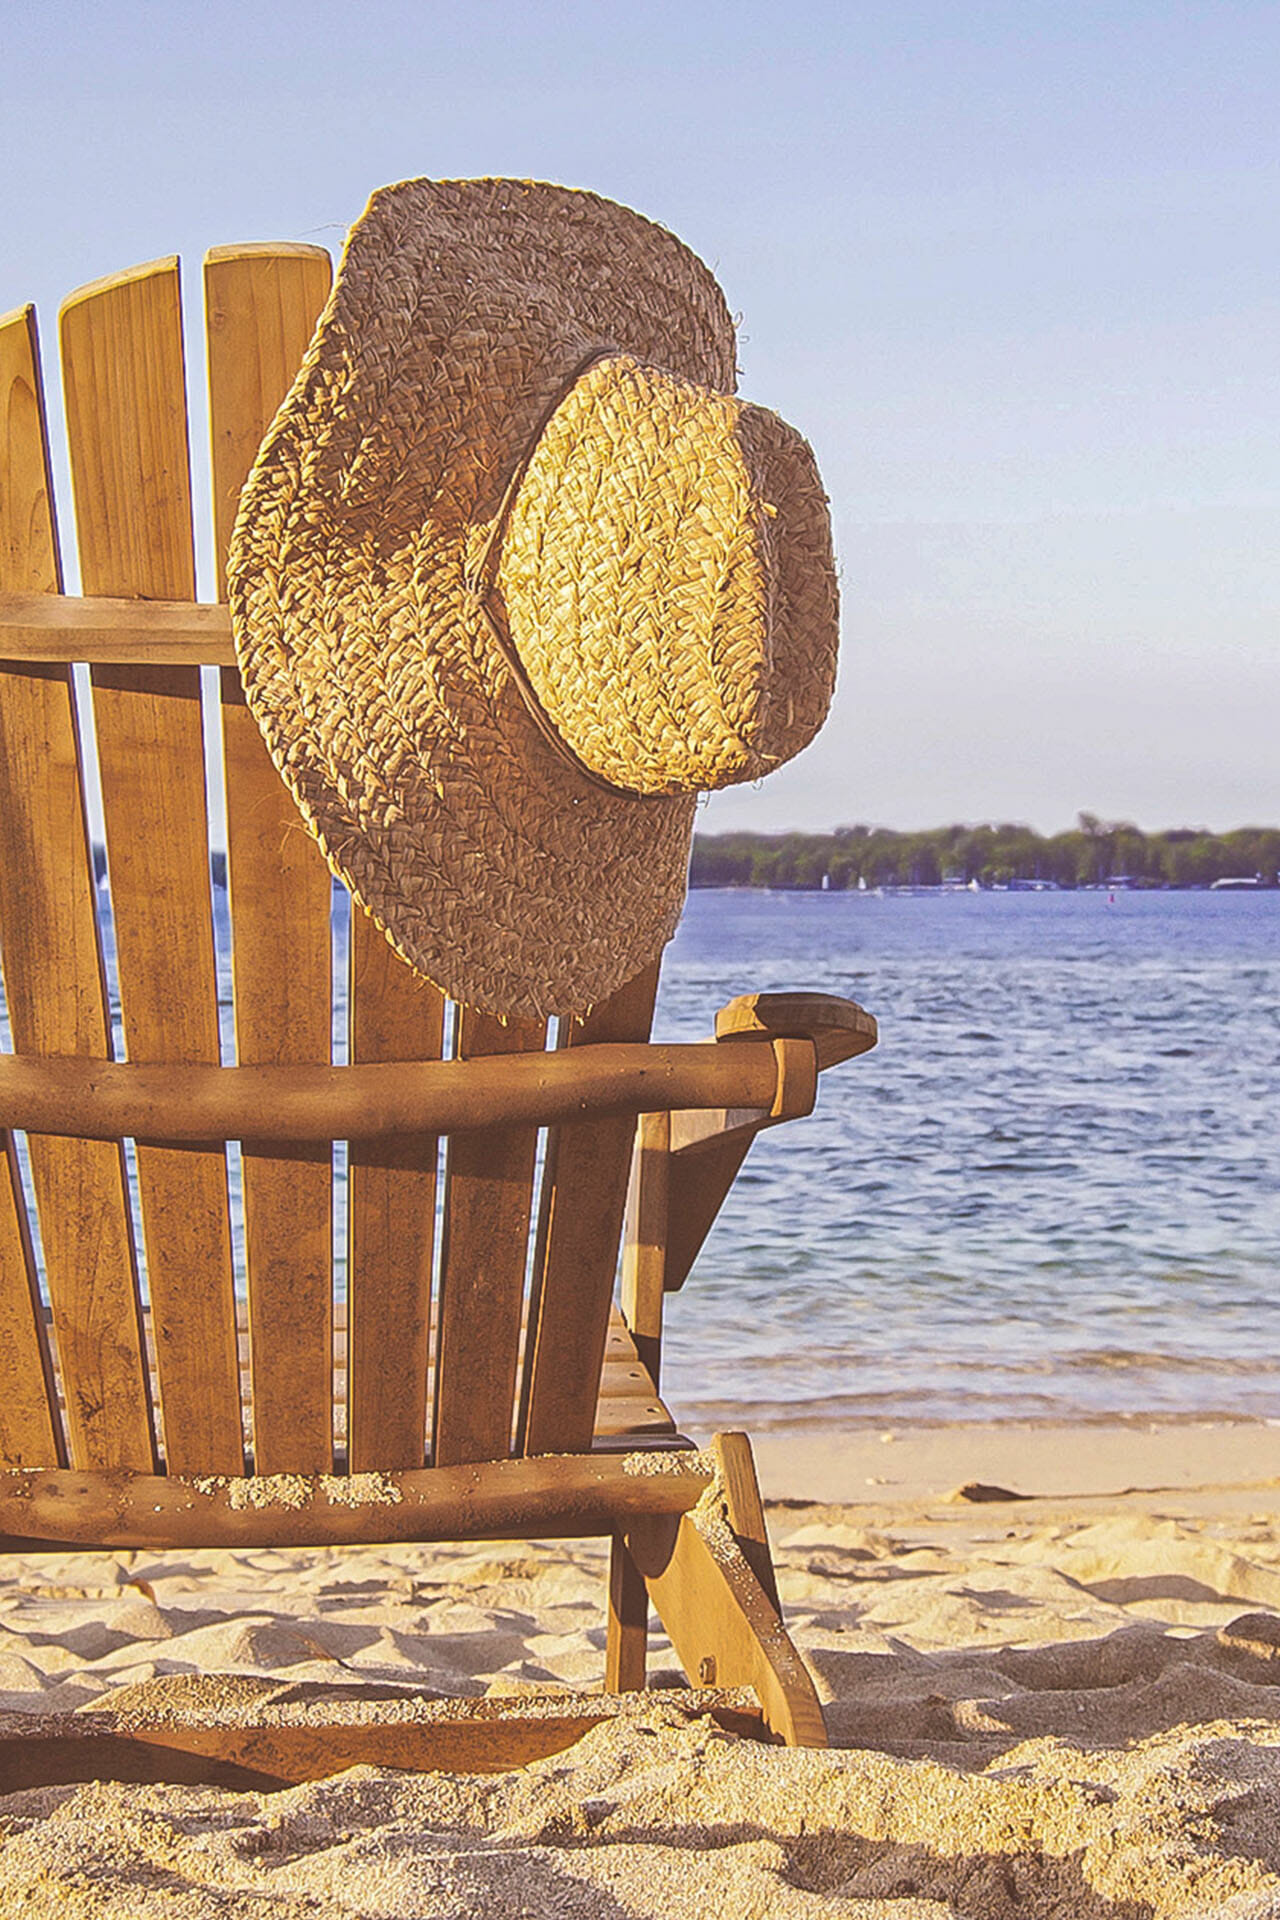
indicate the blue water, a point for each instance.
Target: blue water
{"x":1052,"y":1191}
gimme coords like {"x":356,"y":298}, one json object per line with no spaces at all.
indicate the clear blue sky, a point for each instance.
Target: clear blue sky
{"x":1012,"y":268}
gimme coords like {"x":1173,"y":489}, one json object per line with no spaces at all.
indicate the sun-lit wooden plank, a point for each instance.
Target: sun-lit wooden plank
{"x":488,"y":1200}
{"x":126,"y":402}
{"x":260,"y":308}
{"x":158,"y":633}
{"x":55,"y":991}
{"x":583,"y":1199}
{"x":394,"y":1016}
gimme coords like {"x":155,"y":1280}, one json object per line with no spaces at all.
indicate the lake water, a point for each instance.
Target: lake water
{"x":1052,"y":1192}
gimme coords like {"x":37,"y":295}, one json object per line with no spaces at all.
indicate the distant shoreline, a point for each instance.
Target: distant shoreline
{"x":1123,"y":884}
{"x":1094,"y":854}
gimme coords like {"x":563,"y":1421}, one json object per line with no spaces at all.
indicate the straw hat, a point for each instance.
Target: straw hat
{"x":515,"y":577}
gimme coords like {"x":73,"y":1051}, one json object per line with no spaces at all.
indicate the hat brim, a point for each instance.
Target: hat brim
{"x":459,"y":310}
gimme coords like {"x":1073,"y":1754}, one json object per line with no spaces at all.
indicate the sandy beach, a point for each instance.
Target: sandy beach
{"x":1058,"y":1704}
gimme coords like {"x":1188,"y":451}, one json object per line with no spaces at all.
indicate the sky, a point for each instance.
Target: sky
{"x":1013,"y":270}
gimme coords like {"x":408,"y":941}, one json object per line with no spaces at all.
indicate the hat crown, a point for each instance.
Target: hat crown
{"x":645,"y":575}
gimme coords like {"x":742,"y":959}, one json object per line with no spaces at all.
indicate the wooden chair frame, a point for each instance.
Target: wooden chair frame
{"x":490,"y":1387}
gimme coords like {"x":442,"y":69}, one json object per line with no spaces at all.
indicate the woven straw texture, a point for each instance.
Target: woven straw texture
{"x":681,"y":539}
{"x":663,"y":573}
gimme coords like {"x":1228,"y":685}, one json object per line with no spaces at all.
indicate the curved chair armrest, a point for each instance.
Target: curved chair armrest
{"x":108,"y":1099}
{"x":839,"y":1029}
{"x":835,"y":1029}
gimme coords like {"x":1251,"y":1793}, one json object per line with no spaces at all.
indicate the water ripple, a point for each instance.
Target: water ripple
{"x":1066,"y":1136}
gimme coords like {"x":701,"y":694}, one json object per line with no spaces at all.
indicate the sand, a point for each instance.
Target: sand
{"x":1066,"y":1704}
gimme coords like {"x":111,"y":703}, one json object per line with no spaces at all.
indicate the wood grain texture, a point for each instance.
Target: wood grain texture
{"x":584,"y":1190}
{"x":391,"y":1218}
{"x":698,"y":1185}
{"x":53,"y":973}
{"x":840,"y":1029}
{"x":627,"y":1629}
{"x":708,"y":1149}
{"x":273,"y":1736}
{"x":505,"y":1499}
{"x":63,"y":627}
{"x":30,"y":1430}
{"x":261,"y":305}
{"x":724,"y":1627}
{"x":630,"y":1411}
{"x":488,"y":1200}
{"x":125,"y":387}
{"x":745,"y":1510}
{"x":368,"y":1101}
{"x":644,"y":1244}
{"x":29,"y":559}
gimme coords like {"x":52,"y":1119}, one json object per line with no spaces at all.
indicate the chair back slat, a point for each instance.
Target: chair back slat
{"x":391,"y":1205}
{"x":584,"y":1192}
{"x":261,"y":305}
{"x":125,"y":391}
{"x":57,"y":1005}
{"x":30,"y":1430}
{"x":488,"y":1201}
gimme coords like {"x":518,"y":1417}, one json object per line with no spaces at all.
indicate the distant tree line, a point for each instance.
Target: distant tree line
{"x":1090,"y":854}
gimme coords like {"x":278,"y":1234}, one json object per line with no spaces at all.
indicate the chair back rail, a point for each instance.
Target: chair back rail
{"x":261,"y":306}
{"x":449,"y":1388}
{"x":57,"y":1002}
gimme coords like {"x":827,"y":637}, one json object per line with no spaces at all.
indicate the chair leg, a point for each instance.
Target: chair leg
{"x":719,"y":1613}
{"x":746,"y":1510}
{"x":626,"y":1646}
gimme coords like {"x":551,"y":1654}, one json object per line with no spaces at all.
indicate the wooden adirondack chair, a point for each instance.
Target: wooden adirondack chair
{"x":477,"y":1380}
